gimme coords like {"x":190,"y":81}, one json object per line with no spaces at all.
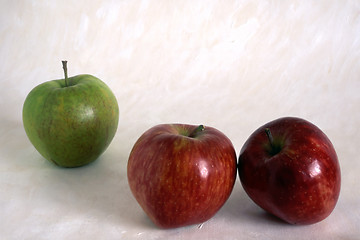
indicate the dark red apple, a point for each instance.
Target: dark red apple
{"x":181,"y":174}
{"x":290,"y":169}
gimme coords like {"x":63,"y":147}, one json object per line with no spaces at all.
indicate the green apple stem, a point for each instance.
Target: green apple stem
{"x":196,"y":131}
{"x":64,"y":63}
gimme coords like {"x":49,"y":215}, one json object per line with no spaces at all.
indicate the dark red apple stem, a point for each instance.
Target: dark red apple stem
{"x":270,"y":137}
{"x":196,"y":131}
{"x":64,"y":63}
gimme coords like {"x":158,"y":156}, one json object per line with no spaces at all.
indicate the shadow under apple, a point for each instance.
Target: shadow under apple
{"x":240,"y":208}
{"x":97,"y":192}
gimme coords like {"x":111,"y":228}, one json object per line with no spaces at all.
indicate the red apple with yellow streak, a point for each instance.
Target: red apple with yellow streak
{"x":181,"y":174}
{"x":290,"y":168}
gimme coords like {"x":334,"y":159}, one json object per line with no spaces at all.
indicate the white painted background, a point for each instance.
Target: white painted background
{"x":233,"y":65}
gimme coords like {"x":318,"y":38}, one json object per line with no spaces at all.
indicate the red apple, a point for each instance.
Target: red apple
{"x":181,"y":174}
{"x":290,"y":169}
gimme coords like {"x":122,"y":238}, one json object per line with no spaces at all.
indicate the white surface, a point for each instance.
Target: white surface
{"x":233,"y":65}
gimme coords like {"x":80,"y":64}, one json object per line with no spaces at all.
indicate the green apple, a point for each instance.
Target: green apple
{"x":71,"y":121}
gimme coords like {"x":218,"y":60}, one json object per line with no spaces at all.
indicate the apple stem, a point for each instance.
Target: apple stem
{"x":197,"y":130}
{"x":64,"y":63}
{"x":270,"y":137}
{"x":275,"y":146}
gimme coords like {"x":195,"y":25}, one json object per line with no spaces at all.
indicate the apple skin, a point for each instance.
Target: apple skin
{"x":71,"y":125}
{"x":181,"y":176}
{"x":298,"y":177}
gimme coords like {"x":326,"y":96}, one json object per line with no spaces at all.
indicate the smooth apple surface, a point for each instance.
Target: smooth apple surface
{"x":71,"y":125}
{"x":290,"y":168}
{"x":181,"y":174}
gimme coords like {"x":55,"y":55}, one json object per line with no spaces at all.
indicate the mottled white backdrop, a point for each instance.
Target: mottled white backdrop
{"x":233,"y":65}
